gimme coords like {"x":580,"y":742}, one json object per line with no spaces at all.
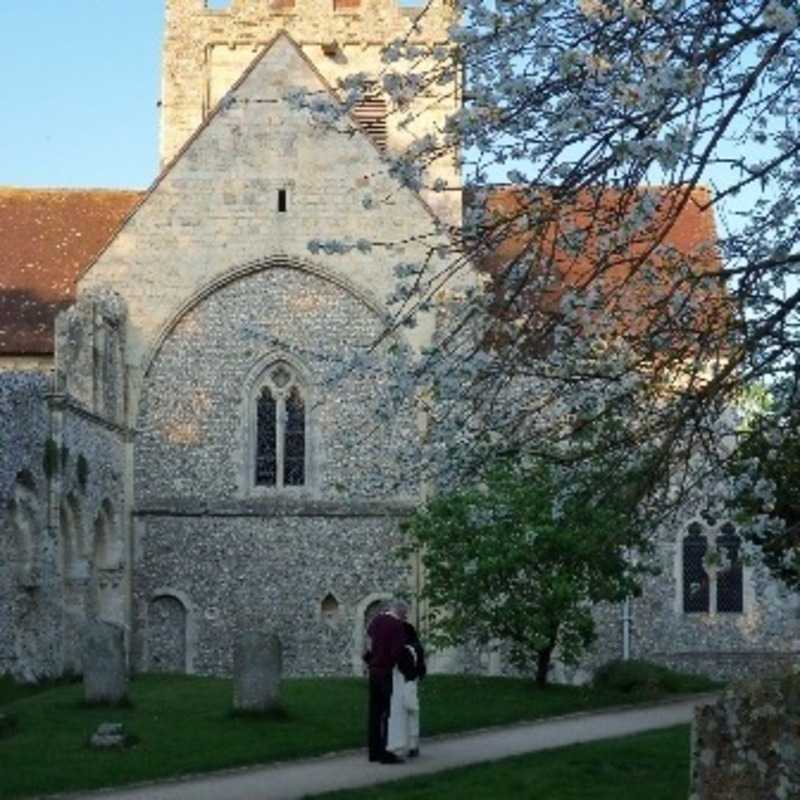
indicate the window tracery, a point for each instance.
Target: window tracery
{"x":281,"y":435}
{"x":720,"y":590}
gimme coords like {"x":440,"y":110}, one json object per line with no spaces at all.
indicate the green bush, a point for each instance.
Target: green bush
{"x":634,"y":677}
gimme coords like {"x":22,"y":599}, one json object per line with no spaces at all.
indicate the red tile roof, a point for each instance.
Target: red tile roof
{"x":524,"y":230}
{"x":46,"y":237}
{"x":687,"y":220}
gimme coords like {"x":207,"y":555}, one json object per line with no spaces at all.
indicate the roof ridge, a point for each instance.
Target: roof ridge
{"x":66,"y":190}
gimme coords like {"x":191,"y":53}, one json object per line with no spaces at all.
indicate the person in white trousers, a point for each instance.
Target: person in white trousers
{"x":403,"y":727}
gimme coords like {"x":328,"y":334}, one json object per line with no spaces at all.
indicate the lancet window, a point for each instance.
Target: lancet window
{"x":281,"y":435}
{"x":722,"y":589}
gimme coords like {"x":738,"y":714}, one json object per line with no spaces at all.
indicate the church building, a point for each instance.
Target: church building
{"x":181,"y":450}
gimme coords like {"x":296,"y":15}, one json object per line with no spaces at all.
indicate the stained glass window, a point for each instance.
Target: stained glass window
{"x":294,"y":461}
{"x":729,"y":580}
{"x":266,"y":450}
{"x":695,"y":577}
{"x":281,"y":429}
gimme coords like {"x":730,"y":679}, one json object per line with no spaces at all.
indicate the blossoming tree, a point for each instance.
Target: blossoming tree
{"x":565,"y":302}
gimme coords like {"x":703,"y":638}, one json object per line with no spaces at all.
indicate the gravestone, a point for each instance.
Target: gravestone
{"x":257,"y":670}
{"x":109,"y":736}
{"x":747,"y":745}
{"x":105,"y":676}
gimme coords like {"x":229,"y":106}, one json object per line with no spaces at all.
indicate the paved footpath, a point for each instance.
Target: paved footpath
{"x":300,"y":779}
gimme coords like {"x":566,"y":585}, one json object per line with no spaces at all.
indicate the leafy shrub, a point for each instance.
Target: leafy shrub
{"x":636,"y":677}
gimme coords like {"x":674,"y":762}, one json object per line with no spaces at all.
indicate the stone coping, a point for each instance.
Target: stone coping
{"x":272,"y":507}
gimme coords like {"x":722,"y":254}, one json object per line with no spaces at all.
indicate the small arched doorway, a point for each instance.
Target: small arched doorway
{"x":167,"y":625}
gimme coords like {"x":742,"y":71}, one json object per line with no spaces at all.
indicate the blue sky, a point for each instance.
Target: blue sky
{"x":81,"y":79}
{"x":81,"y":82}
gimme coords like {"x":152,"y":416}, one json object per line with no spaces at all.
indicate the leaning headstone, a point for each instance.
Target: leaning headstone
{"x":747,"y":744}
{"x":105,"y":676}
{"x":257,"y":669}
{"x":109,"y":736}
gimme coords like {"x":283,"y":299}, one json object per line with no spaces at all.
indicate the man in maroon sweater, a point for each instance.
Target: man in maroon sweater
{"x":387,"y":638}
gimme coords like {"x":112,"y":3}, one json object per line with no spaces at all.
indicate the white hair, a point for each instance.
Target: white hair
{"x":399,"y":606}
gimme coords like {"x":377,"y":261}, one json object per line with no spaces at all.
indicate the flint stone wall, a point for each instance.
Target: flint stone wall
{"x":30,"y":631}
{"x":726,"y":646}
{"x":196,"y":440}
{"x":747,"y":745}
{"x":48,"y":580}
{"x":265,"y":572}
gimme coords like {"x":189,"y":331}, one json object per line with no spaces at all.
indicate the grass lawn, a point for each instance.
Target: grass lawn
{"x":649,"y":766}
{"x":10,"y":691}
{"x":184,"y":725}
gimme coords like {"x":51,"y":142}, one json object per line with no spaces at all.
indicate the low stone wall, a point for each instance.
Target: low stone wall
{"x":747,"y":744}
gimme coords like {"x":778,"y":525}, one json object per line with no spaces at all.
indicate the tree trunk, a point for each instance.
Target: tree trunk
{"x":543,"y":666}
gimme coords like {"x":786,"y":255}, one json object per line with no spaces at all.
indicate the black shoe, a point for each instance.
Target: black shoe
{"x":413,"y":753}
{"x":391,"y":758}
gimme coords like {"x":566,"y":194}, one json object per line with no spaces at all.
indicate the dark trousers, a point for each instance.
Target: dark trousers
{"x":380,"y":698}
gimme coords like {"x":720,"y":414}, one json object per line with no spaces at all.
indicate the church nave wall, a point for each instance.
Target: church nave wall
{"x":196,"y":431}
{"x":304,"y":577}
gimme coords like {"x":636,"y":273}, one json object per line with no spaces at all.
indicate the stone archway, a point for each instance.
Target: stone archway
{"x":26,"y":521}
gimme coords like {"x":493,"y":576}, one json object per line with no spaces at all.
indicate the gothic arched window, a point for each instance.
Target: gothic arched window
{"x":695,"y":578}
{"x":280,"y":458}
{"x":721,"y":590}
{"x":730,"y":598}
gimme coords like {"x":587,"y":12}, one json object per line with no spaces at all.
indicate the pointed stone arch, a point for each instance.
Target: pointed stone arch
{"x":108,"y":566}
{"x":241,"y":271}
{"x":26,"y":515}
{"x":72,"y":538}
{"x":107,"y":548}
{"x":76,"y":579}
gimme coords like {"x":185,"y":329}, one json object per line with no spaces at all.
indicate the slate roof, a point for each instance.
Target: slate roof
{"x":46,"y":237}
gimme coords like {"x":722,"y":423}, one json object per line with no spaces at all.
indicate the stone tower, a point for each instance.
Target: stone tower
{"x":206,"y":50}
